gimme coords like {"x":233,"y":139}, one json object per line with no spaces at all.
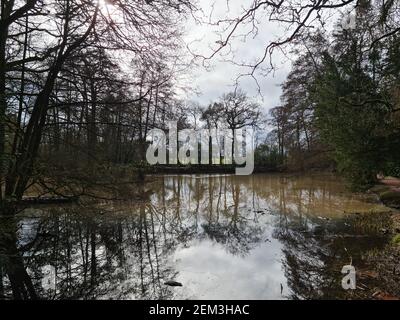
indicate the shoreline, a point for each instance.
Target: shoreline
{"x":385,"y":271}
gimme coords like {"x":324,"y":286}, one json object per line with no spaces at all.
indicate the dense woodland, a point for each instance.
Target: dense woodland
{"x":341,"y":101}
{"x":82,"y":82}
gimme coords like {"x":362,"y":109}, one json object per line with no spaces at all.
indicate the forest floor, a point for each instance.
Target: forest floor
{"x":385,"y":264}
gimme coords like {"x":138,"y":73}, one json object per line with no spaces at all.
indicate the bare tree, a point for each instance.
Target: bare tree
{"x":37,"y":41}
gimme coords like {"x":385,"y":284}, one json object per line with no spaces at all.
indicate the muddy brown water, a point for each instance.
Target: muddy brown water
{"x":220,"y":236}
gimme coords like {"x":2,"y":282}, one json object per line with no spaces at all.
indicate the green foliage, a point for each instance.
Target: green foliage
{"x":349,"y":124}
{"x":396,"y":239}
{"x":353,"y":114}
{"x":347,"y":98}
{"x":269,"y":157}
{"x":392,"y":169}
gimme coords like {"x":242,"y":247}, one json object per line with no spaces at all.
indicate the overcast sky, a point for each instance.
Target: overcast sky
{"x":221,"y":75}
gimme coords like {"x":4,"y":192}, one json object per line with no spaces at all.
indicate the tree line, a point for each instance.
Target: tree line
{"x":340,"y":102}
{"x":82,"y":79}
{"x":82,"y":82}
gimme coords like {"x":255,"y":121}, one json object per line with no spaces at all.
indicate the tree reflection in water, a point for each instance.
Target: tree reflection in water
{"x":265,"y":225}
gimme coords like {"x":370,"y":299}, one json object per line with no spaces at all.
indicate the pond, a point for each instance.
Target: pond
{"x":264,"y":236}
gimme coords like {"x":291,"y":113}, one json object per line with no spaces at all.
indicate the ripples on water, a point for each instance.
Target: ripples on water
{"x":221,"y":236}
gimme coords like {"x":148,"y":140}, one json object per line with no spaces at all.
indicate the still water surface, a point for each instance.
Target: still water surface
{"x":221,"y":236}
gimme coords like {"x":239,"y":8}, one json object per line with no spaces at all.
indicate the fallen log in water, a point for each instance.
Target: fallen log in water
{"x":48,"y":200}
